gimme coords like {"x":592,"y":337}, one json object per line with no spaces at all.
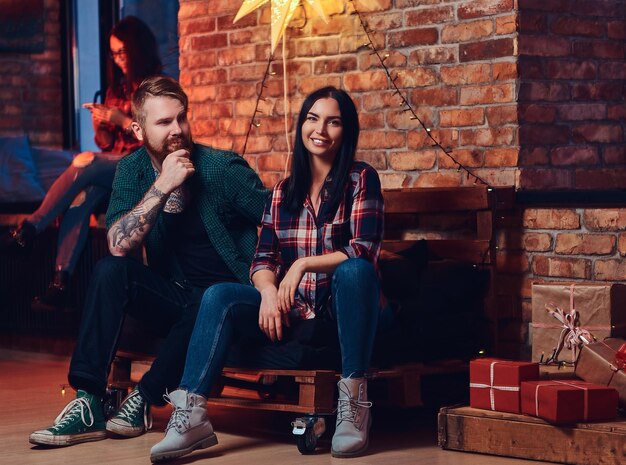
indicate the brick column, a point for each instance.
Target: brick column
{"x":571,"y":96}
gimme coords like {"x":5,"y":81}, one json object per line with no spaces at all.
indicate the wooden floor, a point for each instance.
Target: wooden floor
{"x":30,"y":389}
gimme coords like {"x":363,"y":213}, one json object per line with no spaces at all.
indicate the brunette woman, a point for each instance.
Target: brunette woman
{"x":316,"y":259}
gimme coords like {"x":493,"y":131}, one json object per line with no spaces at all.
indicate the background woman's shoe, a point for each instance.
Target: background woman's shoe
{"x":55,"y":297}
{"x":20,"y":240}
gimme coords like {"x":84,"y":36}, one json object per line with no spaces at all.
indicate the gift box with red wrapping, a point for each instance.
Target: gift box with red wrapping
{"x":495,"y":384}
{"x":568,"y":401}
{"x":604,"y":362}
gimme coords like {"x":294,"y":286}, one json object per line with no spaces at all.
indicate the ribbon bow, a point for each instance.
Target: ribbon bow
{"x":572,"y":335}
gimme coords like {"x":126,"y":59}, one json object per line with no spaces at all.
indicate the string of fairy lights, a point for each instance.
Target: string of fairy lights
{"x":404,"y":102}
{"x":255,"y":123}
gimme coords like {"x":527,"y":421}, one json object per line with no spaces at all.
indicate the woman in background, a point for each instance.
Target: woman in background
{"x":87,"y":182}
{"x":316,"y":260}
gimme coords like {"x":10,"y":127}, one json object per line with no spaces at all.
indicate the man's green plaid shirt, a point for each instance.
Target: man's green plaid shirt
{"x":230,"y":197}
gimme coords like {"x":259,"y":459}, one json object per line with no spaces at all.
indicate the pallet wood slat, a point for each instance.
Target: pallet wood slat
{"x":267,"y":405}
{"x":506,"y":434}
{"x":484,"y":225}
{"x":424,"y":200}
{"x":447,"y":199}
{"x":465,"y":250}
{"x":272,"y":372}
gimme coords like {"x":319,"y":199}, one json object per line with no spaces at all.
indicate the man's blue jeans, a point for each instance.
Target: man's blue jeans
{"x":231,"y":311}
{"x":120,"y":286}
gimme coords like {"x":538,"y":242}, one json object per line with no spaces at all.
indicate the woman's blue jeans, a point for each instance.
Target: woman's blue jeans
{"x":230,"y":311}
{"x":96,"y":180}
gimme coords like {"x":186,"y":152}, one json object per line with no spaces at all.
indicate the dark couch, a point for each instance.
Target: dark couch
{"x":27,"y":172}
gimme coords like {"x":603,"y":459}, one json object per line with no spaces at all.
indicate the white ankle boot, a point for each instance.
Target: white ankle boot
{"x":351,"y":436}
{"x":189,"y":427}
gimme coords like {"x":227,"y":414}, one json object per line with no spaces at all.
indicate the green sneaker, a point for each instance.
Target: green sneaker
{"x":133,"y":418}
{"x":81,"y":420}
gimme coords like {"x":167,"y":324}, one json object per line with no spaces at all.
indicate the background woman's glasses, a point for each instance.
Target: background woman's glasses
{"x":121,"y":52}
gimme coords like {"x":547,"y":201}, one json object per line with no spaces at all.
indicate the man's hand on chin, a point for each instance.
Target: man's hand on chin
{"x":175,"y":169}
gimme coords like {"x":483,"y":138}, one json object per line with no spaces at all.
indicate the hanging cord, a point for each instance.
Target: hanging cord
{"x":404,"y":102}
{"x":267,"y":73}
{"x":286,"y":104}
{"x":253,"y":121}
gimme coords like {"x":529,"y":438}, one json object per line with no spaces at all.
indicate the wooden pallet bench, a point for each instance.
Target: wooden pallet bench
{"x":405,"y":210}
{"x":301,"y":391}
{"x":510,"y":435}
{"x":315,"y":391}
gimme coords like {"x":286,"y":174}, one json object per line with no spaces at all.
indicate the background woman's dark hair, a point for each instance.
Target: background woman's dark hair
{"x":142,"y":52}
{"x":299,"y":181}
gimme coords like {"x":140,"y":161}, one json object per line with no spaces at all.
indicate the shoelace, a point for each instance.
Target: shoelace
{"x":131,"y":406}
{"x":180,"y":417}
{"x":347,"y":409}
{"x":71,"y":410}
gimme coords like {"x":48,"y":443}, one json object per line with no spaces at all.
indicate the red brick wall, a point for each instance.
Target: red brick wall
{"x":571,"y":95}
{"x":30,"y":87}
{"x":527,"y":93}
{"x":454,"y":61}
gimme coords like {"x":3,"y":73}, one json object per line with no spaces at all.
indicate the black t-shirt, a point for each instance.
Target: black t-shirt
{"x":198,"y":259}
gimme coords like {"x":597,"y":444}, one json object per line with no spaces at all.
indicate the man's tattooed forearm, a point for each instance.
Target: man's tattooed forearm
{"x":174,"y":204}
{"x":134,"y":223}
{"x":153,"y":192}
{"x":137,"y":220}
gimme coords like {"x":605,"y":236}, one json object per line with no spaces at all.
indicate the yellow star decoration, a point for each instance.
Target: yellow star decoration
{"x":282,"y":12}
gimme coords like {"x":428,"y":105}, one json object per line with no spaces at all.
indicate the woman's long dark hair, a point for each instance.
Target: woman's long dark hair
{"x":142,"y":53}
{"x":298,"y":183}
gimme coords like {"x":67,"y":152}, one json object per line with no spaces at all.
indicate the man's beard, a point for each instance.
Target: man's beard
{"x":170,"y":145}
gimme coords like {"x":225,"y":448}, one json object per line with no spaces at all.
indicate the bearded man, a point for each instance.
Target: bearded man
{"x":195,"y":209}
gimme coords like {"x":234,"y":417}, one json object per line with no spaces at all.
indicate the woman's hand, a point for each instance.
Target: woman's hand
{"x":270,"y":317}
{"x":289,"y":285}
{"x":105,"y":114}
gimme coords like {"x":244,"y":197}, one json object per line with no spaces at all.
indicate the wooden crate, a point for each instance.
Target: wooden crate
{"x":506,"y":434}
